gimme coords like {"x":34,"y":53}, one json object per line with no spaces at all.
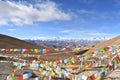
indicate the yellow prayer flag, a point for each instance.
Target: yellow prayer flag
{"x":119,"y":64}
{"x":50,"y":63}
{"x":98,"y":77}
{"x":10,"y":79}
{"x":35,"y":50}
{"x":56,"y":49}
{"x":15,"y":50}
{"x":78,"y":78}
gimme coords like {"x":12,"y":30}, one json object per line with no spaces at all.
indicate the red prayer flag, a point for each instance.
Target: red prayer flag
{"x":48,"y":50}
{"x":7,"y":49}
{"x":20,"y":77}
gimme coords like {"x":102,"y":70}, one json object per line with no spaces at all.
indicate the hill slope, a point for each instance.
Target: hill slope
{"x":113,"y":41}
{"x":11,"y":42}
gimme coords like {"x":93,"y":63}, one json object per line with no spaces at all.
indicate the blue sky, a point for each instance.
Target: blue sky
{"x":61,"y":19}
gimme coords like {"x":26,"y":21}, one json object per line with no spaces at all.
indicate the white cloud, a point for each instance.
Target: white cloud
{"x":19,"y":13}
{"x":3,"y":22}
{"x":83,"y":11}
{"x":87,"y":1}
{"x":99,"y":34}
{"x":65,"y":31}
{"x":93,"y":15}
{"x":79,"y":34}
{"x":41,"y":38}
{"x":11,"y":30}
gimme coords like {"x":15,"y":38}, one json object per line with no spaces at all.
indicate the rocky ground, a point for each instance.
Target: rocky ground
{"x":5,"y":69}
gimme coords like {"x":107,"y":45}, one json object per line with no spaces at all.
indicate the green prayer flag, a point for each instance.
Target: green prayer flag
{"x":105,"y":68}
{"x":43,"y":77}
{"x":11,"y":50}
{"x":51,"y":49}
{"x":89,"y":79}
{"x":31,"y":50}
{"x":73,"y":59}
{"x":12,"y":76}
{"x":73,"y":75}
{"x":103,"y":50}
{"x":88,"y":57}
{"x":116,"y":60}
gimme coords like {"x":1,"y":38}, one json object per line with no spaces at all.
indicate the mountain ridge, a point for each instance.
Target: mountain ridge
{"x":12,"y":42}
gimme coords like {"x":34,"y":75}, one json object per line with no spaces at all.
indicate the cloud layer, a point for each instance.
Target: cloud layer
{"x":19,"y":13}
{"x":79,"y":34}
